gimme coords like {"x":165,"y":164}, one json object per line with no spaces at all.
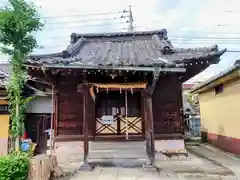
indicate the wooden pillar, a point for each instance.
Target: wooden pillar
{"x":86,"y":166}
{"x":93,"y":120}
{"x":143,"y":114}
{"x":148,"y":92}
{"x":56,"y":110}
{"x":149,"y":130}
{"x":85,"y":128}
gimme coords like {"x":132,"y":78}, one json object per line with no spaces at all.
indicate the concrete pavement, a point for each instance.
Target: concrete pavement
{"x":124,"y":174}
{"x":218,"y":157}
{"x":200,"y":165}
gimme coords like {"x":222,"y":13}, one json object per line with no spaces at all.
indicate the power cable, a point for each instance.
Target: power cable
{"x":82,"y":15}
{"x":86,"y":20}
{"x":67,"y":27}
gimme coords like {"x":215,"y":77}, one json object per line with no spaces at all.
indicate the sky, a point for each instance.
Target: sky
{"x":195,"y":23}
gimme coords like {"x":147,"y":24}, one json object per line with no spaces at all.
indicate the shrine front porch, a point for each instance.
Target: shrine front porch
{"x":70,"y":159}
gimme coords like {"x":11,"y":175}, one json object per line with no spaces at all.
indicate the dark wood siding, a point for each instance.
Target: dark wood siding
{"x":90,"y":114}
{"x":167,"y":104}
{"x":70,"y":120}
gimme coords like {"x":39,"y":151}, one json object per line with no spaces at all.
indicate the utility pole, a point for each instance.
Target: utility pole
{"x":130,"y":28}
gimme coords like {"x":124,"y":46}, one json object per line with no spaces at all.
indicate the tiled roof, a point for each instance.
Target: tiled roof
{"x":5,"y":70}
{"x":146,"y":48}
{"x":218,"y":76}
{"x":3,"y":78}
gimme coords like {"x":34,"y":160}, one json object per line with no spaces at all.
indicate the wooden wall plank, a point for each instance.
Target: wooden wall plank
{"x":167,"y":105}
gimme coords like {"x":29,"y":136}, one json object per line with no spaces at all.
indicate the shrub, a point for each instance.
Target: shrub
{"x":14,"y":167}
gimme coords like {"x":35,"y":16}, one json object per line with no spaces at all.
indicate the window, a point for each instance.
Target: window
{"x":218,"y":89}
{"x":4,"y":109}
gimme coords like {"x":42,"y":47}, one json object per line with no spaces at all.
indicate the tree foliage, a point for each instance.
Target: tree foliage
{"x":18,"y":21}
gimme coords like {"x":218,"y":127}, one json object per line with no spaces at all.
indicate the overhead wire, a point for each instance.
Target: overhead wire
{"x":178,"y":38}
{"x":82,"y":15}
{"x":67,"y":27}
{"x":86,"y":20}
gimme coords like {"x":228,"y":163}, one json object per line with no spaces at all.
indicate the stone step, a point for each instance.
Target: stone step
{"x":131,"y":145}
{"x":128,"y":163}
{"x":117,"y":155}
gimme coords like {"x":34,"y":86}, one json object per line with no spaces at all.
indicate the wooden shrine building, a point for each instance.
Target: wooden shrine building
{"x":120,"y":86}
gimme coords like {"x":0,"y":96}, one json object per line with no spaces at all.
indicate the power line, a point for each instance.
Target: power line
{"x":87,"y":20}
{"x":187,"y":31}
{"x":67,"y":27}
{"x":205,"y":38}
{"x":82,"y":15}
{"x":206,"y":41}
{"x":233,"y":51}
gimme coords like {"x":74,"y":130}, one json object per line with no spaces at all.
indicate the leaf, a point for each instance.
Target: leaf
{"x":7,"y":51}
{"x":18,"y":22}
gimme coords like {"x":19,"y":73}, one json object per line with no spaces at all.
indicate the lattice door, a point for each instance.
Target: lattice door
{"x":106,"y":128}
{"x":113,"y":104}
{"x":134,"y":125}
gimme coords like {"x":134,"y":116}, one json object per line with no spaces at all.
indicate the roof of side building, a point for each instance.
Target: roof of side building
{"x":200,"y":86}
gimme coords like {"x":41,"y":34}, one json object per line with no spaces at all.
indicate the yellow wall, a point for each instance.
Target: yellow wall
{"x":4,"y":121}
{"x":4,"y":126}
{"x":220,"y":114}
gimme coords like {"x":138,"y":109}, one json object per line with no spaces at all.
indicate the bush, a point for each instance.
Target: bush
{"x":14,"y":167}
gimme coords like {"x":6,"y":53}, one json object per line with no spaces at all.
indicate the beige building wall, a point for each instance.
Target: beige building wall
{"x":220,"y":115}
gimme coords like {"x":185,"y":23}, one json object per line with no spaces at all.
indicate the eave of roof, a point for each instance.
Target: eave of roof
{"x":4,"y":75}
{"x":86,"y":35}
{"x":92,"y":49}
{"x":186,"y":86}
{"x":3,"y":78}
{"x":126,"y":68}
{"x":202,"y":85}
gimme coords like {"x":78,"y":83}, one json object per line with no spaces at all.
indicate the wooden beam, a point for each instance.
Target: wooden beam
{"x":145,"y":115}
{"x":100,"y":67}
{"x":156,"y":74}
{"x":56,"y":91}
{"x":56,"y":110}
{"x":85,"y":127}
{"x":85,"y":90}
{"x":149,"y":129}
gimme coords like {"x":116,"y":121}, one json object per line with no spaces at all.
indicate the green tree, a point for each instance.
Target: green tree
{"x":18,"y":21}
